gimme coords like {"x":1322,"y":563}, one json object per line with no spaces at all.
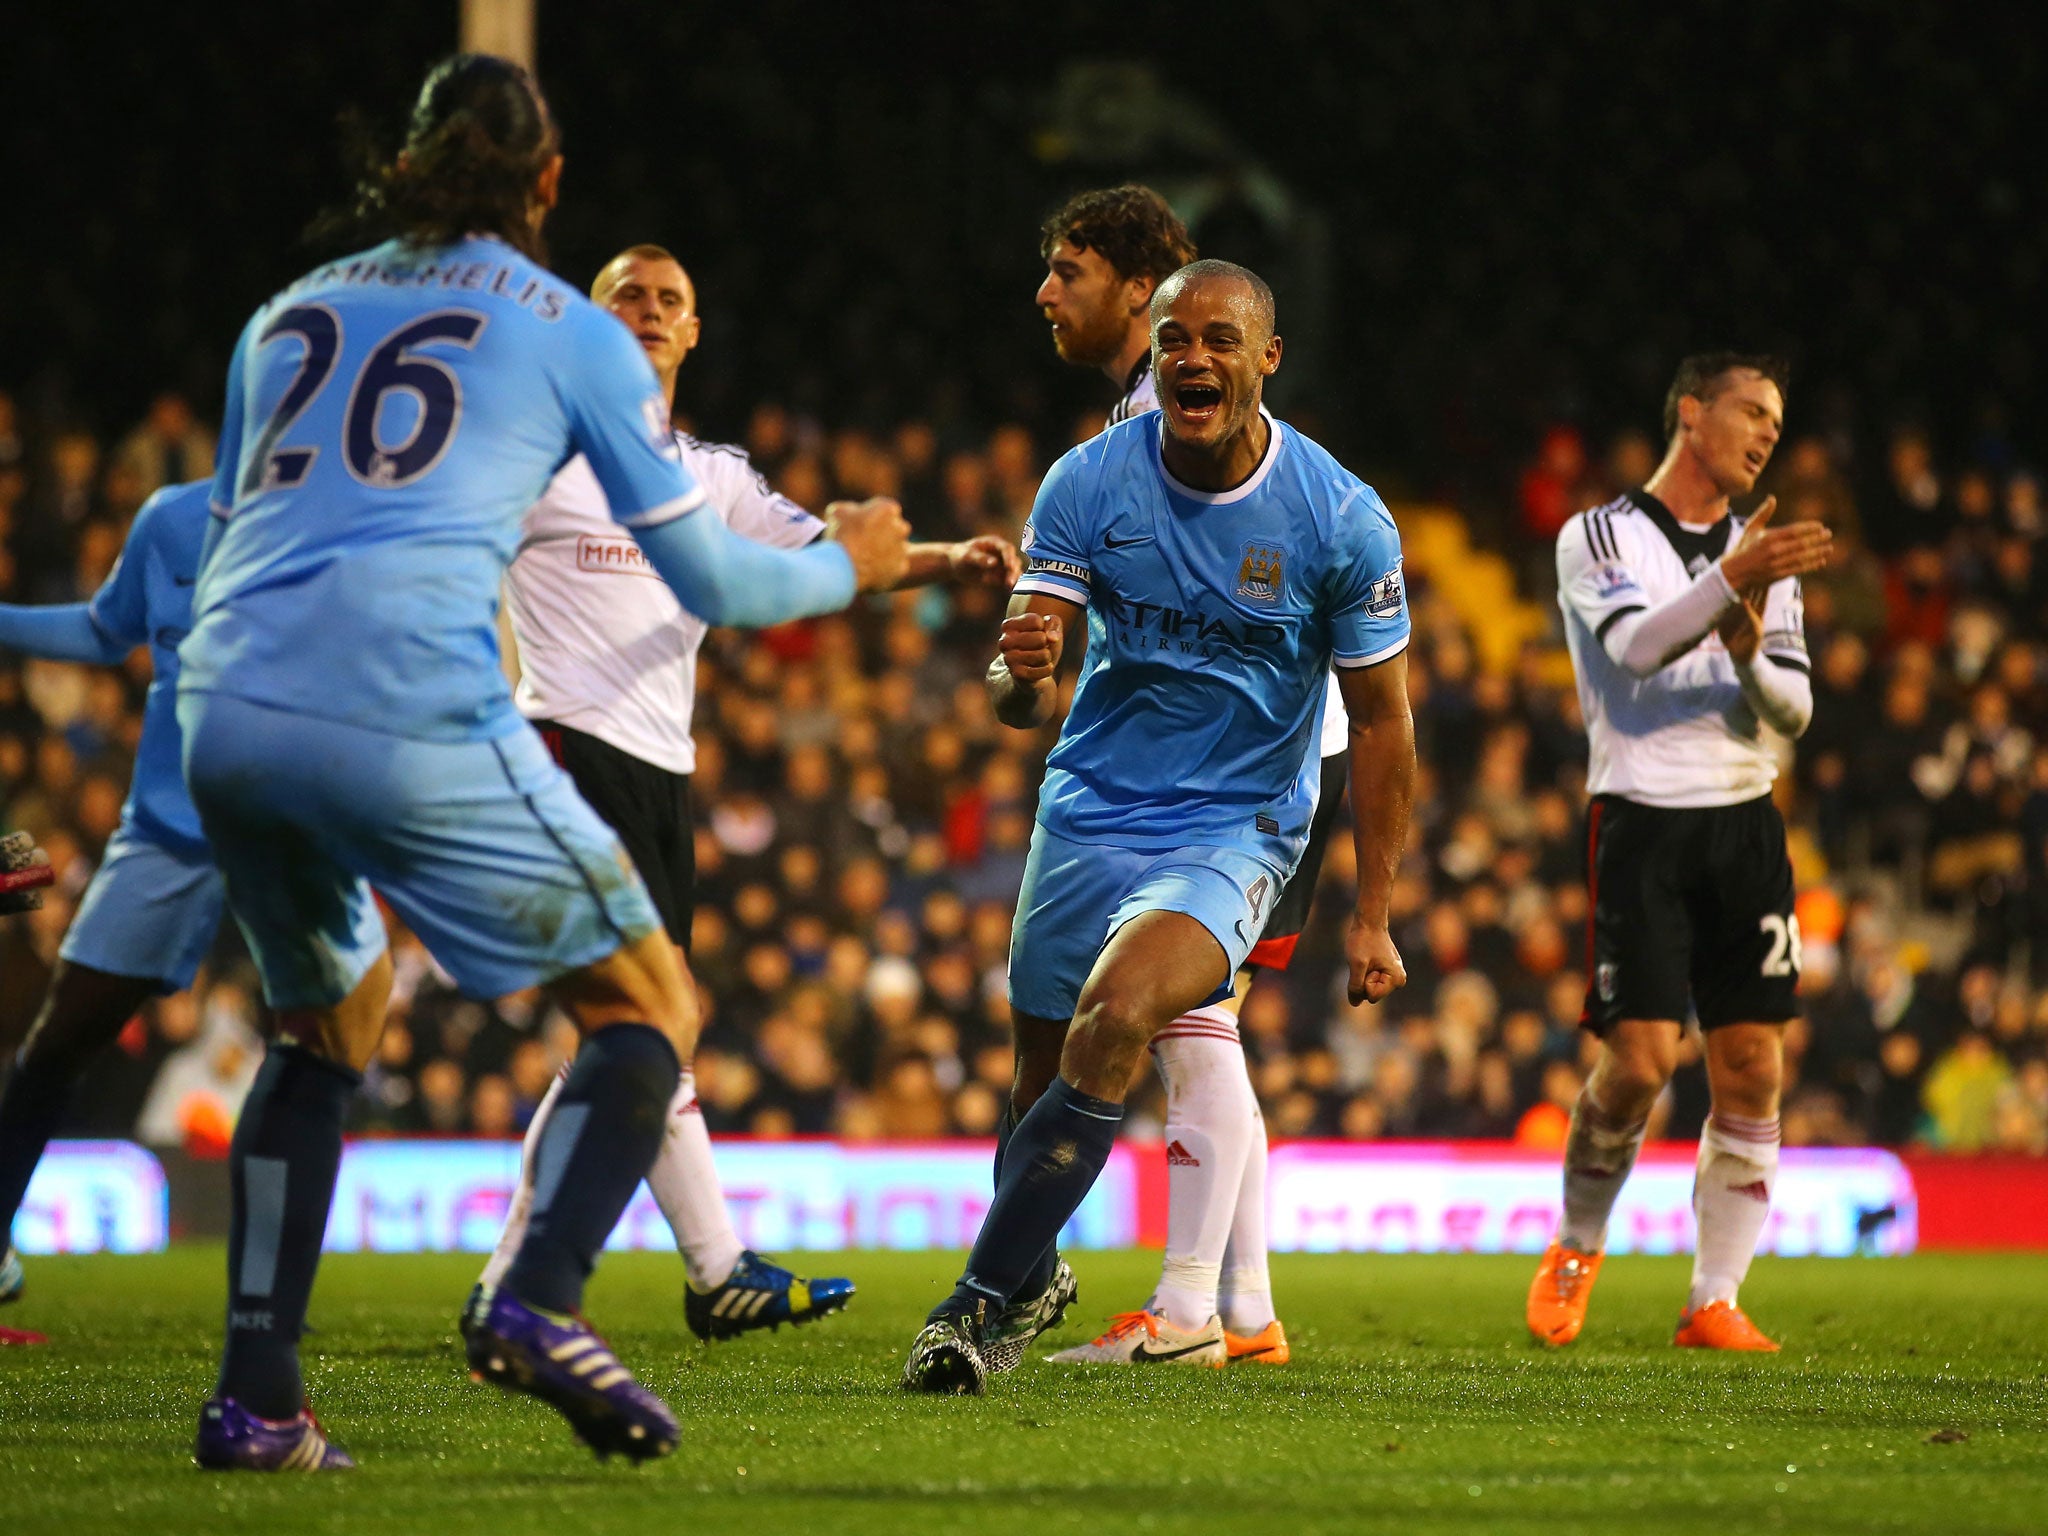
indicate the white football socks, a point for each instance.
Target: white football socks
{"x":1731,"y":1200}
{"x":685,"y":1184}
{"x":1210,"y":1116}
{"x":1598,"y":1154}
{"x":1245,"y":1294}
{"x":684,"y":1181}
{"x":521,"y":1208}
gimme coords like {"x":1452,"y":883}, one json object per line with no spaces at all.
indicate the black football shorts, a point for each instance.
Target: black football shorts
{"x":648,"y":806}
{"x":1691,"y":914}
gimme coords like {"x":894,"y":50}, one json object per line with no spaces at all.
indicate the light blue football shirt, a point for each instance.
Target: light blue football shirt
{"x":147,"y":599}
{"x":390,"y":418}
{"x":1213,"y":618}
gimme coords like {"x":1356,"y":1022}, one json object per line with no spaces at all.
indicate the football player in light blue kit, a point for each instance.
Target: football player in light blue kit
{"x":1224,"y":561}
{"x":154,"y":906}
{"x":389,"y":419}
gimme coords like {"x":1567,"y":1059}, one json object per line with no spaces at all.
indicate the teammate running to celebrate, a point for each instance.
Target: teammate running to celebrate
{"x":154,"y":905}
{"x":390,"y":417}
{"x":608,"y":665}
{"x":1223,"y":561}
{"x":1105,"y":253}
{"x":1687,"y":634}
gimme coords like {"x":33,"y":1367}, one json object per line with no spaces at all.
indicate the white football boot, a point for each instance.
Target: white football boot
{"x":1146,"y":1338}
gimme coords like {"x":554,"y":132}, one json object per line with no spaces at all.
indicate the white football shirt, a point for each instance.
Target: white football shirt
{"x":604,"y":647}
{"x":1141,"y":394}
{"x":1684,"y":736}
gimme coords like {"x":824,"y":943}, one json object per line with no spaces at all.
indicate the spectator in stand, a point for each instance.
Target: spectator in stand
{"x":169,"y":446}
{"x":1554,"y":485}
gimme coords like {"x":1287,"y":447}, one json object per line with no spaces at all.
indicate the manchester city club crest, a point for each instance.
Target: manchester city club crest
{"x":1259,"y":579}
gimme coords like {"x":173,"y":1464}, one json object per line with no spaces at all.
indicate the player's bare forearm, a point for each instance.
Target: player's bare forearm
{"x":1382,"y":796}
{"x":1024,"y":679}
{"x":1025,"y":706}
{"x":982,"y":561}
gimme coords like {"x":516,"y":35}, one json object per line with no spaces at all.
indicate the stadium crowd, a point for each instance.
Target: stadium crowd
{"x":863,"y":824}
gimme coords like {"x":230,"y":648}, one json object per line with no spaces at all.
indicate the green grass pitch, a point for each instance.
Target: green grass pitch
{"x":1414,"y":1404}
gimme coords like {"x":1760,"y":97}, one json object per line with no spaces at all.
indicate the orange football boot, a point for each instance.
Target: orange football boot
{"x":1721,"y":1325}
{"x":1559,"y":1293}
{"x":1266,"y":1347}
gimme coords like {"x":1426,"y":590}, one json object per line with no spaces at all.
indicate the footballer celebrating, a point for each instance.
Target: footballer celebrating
{"x":1105,"y":252}
{"x":608,"y":667}
{"x":1687,"y":637}
{"x":1222,"y":561}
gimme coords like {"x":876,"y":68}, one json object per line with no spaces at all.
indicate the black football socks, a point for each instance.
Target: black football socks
{"x":281,"y":1167}
{"x":31,"y":1112}
{"x":1040,"y":1273}
{"x":37,"y":1095}
{"x":599,"y":1142}
{"x":1051,"y":1162}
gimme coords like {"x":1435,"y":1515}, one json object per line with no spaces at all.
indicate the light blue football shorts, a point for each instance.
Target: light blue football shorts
{"x":1075,"y":895}
{"x":483,"y":848}
{"x":152,"y":911}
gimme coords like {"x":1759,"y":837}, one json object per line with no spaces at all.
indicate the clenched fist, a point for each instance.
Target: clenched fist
{"x":874,"y":536}
{"x":1375,"y":963}
{"x":1030,"y":646}
{"x":985,"y":561}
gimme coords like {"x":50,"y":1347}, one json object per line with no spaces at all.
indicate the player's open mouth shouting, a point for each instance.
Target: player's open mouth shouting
{"x":1197,"y":401}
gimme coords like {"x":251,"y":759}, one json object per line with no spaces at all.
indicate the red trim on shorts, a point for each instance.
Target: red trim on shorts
{"x":552,"y":740}
{"x":1275,"y":954}
{"x":1592,"y":901}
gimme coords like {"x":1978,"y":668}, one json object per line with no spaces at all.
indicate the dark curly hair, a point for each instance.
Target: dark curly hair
{"x":479,"y":135}
{"x":1132,"y":226}
{"x":1700,"y":376}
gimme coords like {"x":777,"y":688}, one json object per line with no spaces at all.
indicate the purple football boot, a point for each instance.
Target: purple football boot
{"x":232,"y":1439}
{"x":563,"y":1363}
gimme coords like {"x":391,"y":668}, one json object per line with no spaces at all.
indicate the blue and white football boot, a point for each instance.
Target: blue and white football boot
{"x":758,"y":1294}
{"x":13,"y":1281}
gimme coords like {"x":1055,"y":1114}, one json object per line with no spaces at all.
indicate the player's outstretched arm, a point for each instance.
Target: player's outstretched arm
{"x":725,"y":578}
{"x":1382,"y":793}
{"x":1024,"y":680}
{"x":61,"y":632}
{"x":982,"y":561}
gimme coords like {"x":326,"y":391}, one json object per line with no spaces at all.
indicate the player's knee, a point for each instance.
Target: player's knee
{"x":643,"y":983}
{"x":1745,"y":1070}
{"x":1109,"y":1029}
{"x":1034,"y":1076}
{"x":1636,"y":1068}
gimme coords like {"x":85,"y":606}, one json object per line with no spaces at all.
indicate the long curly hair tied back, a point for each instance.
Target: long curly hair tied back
{"x":479,"y":136}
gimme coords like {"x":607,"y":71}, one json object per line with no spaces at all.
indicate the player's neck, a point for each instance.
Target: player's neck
{"x":668,"y":388}
{"x":1685,"y":487}
{"x":1138,"y":344}
{"x":1235,"y":461}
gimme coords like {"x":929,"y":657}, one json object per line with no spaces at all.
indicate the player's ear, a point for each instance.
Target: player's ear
{"x":1138,"y":291}
{"x":691,"y":331}
{"x":1269,"y":364}
{"x":547,"y":186}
